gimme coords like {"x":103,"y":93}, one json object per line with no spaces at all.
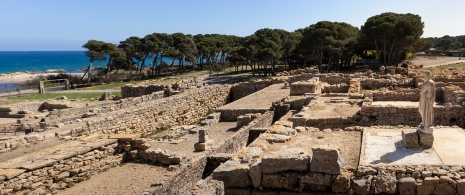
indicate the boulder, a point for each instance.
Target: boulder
{"x":326,"y":159}
{"x":284,"y":160}
{"x":407,"y":186}
{"x":233,"y":174}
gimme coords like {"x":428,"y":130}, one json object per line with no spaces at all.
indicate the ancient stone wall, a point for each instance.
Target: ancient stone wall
{"x":61,"y":174}
{"x":331,"y":79}
{"x":394,"y":115}
{"x":338,"y":88}
{"x":398,"y":95}
{"x":453,"y":94}
{"x":140,"y":90}
{"x":243,"y":89}
{"x":187,"y":176}
{"x":373,"y":83}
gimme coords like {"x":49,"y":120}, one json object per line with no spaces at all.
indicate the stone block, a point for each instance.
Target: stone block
{"x":443,"y":189}
{"x":232,"y":174}
{"x":386,"y":182}
{"x":426,"y":140}
{"x":203,"y":146}
{"x":461,"y":187}
{"x":326,"y":159}
{"x":410,"y":138}
{"x":407,"y":186}
{"x":284,"y":160}
{"x":283,"y":180}
{"x":341,"y":183}
{"x":255,"y":175}
{"x":362,"y":185}
{"x":315,"y":182}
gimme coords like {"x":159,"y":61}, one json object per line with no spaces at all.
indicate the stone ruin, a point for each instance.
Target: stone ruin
{"x":318,"y":135}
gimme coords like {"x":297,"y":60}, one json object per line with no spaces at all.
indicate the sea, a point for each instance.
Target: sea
{"x":40,"y":61}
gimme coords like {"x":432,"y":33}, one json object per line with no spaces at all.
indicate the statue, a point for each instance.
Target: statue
{"x":427,"y":96}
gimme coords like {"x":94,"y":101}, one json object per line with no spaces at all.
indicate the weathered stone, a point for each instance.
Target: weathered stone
{"x":283,"y":180}
{"x":233,"y":174}
{"x":275,"y":138}
{"x":144,"y":146}
{"x":443,"y":189}
{"x":422,"y":188}
{"x":407,"y":186}
{"x":362,"y":185}
{"x":255,"y":175}
{"x":326,"y":160}
{"x":238,"y":191}
{"x":10,"y":173}
{"x":341,"y":183}
{"x":426,"y":140}
{"x":461,"y":187}
{"x":287,"y":159}
{"x":315,"y":182}
{"x":61,"y":176}
{"x":386,"y":182}
{"x":410,"y":138}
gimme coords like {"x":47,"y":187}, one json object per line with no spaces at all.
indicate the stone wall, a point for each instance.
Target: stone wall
{"x":246,"y":88}
{"x":373,"y":83}
{"x":453,"y":94}
{"x":231,"y":115}
{"x":61,"y":174}
{"x":186,"y":176}
{"x":140,"y":90}
{"x":398,"y":95}
{"x":394,"y":115}
{"x":331,"y":79}
{"x":338,"y":88}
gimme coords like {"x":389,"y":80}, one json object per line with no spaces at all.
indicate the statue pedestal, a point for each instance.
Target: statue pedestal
{"x":417,"y":138}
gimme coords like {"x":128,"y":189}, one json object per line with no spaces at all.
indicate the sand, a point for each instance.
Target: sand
{"x":19,"y":77}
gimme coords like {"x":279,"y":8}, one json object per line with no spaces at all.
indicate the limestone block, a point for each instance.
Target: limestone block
{"x":407,"y":186}
{"x":275,"y":138}
{"x":341,"y":183}
{"x":461,"y":187}
{"x":233,"y":174}
{"x":410,"y":138}
{"x":386,"y":182}
{"x":283,"y":180}
{"x":326,"y":159}
{"x":315,"y":182}
{"x":422,"y":188}
{"x":287,"y":159}
{"x":362,"y":185}
{"x":443,"y":189}
{"x":255,"y":175}
{"x":203,"y":146}
{"x":426,"y":140}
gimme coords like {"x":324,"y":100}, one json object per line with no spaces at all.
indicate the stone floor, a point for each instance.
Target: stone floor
{"x":384,"y":146}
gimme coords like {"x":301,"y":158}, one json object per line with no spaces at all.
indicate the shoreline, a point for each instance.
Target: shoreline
{"x":21,"y":77}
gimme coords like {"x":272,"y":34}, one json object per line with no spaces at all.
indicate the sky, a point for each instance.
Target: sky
{"x":48,"y":25}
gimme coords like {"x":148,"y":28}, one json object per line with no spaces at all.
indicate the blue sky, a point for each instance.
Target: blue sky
{"x":67,"y":25}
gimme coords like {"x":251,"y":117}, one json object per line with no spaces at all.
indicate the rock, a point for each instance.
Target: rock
{"x":255,"y":175}
{"x":443,"y":189}
{"x":341,"y":183}
{"x":326,"y":160}
{"x":407,"y":186}
{"x":283,"y":180}
{"x":315,"y":182}
{"x":460,"y":187}
{"x":233,"y":174}
{"x":426,"y":140}
{"x":424,"y":189}
{"x":426,"y":174}
{"x":362,"y":185}
{"x":61,"y":176}
{"x":287,"y":159}
{"x":386,"y":182}
{"x":275,"y":138}
{"x":410,"y":138}
{"x":144,"y":146}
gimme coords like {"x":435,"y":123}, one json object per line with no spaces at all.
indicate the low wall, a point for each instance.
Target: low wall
{"x":140,"y":90}
{"x":398,"y":95}
{"x":187,"y":176}
{"x":373,"y":83}
{"x":393,"y":115}
{"x":61,"y":174}
{"x":243,"y":89}
{"x":230,"y":115}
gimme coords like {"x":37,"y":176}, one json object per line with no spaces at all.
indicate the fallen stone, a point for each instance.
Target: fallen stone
{"x":284,"y":160}
{"x":326,"y":159}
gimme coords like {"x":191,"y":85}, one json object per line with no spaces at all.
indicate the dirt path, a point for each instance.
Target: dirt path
{"x":130,"y":178}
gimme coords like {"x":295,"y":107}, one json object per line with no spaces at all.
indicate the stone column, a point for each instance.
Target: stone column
{"x":204,"y":143}
{"x":41,"y":87}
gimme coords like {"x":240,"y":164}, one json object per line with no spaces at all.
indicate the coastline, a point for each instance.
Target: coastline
{"x":21,"y":77}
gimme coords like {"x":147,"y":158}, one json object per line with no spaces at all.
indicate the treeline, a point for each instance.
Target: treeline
{"x":444,"y":44}
{"x":328,"y":45}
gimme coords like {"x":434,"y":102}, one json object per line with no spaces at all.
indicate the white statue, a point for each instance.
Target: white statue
{"x":427,"y":93}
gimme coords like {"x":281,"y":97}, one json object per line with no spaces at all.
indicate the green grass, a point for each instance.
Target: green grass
{"x":46,"y":96}
{"x":109,"y":86}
